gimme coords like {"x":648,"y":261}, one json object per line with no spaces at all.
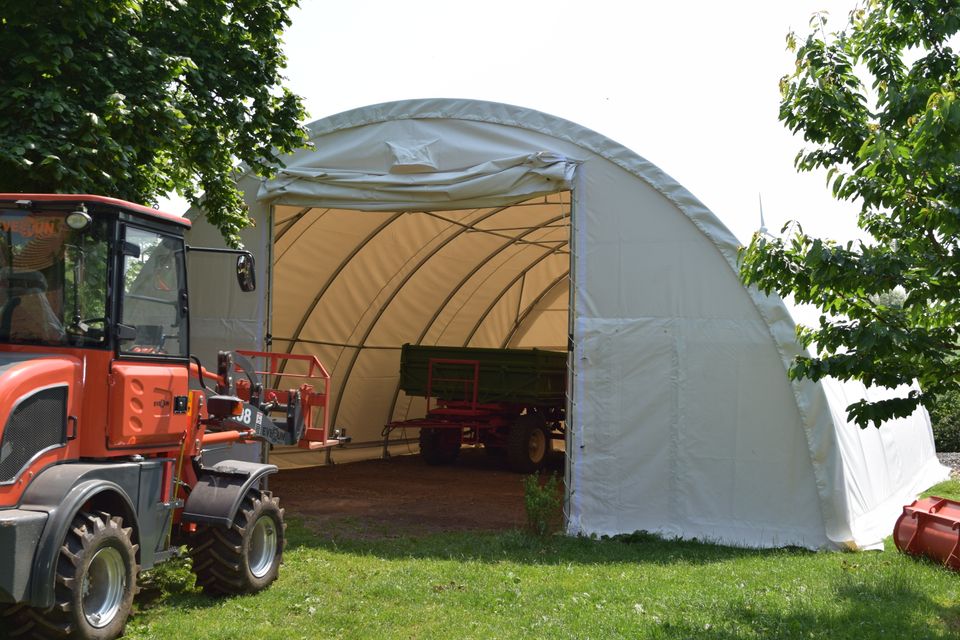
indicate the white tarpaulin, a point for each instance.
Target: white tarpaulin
{"x":492,"y":183}
{"x":465,"y":223}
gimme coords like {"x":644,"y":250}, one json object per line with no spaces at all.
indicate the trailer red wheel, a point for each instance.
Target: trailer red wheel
{"x":529,"y":443}
{"x":439,"y":446}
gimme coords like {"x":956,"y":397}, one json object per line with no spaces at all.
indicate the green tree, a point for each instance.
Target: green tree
{"x":877,"y":105}
{"x":135,"y":99}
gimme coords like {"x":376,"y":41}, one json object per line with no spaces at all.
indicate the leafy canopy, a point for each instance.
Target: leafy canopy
{"x":139,"y":98}
{"x":877,"y":104}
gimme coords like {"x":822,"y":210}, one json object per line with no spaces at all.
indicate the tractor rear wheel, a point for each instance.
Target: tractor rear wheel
{"x":439,"y":446}
{"x":94,"y":587}
{"x":528,"y":443}
{"x":244,"y":558}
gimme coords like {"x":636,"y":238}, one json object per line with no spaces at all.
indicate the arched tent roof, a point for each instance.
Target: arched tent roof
{"x":472,"y":223}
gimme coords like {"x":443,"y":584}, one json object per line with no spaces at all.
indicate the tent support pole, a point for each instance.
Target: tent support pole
{"x":532,"y":306}
{"x":291,"y":221}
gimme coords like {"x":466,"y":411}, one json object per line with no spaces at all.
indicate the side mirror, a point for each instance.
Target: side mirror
{"x":246,"y":272}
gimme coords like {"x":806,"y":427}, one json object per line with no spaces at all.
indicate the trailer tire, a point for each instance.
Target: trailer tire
{"x":439,"y":446}
{"x":246,"y":557}
{"x":94,"y":587}
{"x":528,"y":443}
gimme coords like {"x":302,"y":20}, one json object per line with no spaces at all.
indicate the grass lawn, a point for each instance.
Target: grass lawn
{"x":511,"y":585}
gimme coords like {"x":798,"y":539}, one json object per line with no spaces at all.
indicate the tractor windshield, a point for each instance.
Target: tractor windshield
{"x":53,"y":279}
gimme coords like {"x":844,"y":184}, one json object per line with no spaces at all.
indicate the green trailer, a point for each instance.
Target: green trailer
{"x":511,"y":401}
{"x":525,"y":376}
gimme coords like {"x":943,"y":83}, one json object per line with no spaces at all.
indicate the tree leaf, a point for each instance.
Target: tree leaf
{"x":900,"y":159}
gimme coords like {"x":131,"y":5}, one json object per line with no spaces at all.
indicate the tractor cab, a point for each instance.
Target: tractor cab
{"x":87,"y":272}
{"x":91,"y":275}
{"x":102,"y":284}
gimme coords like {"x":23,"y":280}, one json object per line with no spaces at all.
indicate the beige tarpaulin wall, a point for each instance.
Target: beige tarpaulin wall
{"x":486,"y":277}
{"x":468,"y":223}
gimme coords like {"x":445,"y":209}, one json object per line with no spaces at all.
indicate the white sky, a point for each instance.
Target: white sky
{"x":691,"y":85}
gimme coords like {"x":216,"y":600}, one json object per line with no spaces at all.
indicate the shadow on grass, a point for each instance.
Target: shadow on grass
{"x":523,"y":548}
{"x":172,"y":583}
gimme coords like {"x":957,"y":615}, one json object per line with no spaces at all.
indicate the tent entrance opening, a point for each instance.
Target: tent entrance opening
{"x":352,"y":287}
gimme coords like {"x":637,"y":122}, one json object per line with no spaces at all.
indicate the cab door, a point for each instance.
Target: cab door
{"x":149,"y":379}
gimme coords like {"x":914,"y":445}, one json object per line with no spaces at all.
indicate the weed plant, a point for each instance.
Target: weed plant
{"x":542,"y":501}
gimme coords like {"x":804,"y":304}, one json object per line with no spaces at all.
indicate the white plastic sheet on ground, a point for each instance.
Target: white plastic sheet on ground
{"x":470,"y":223}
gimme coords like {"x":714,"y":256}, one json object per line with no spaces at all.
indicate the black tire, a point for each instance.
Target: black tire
{"x":95,"y":584}
{"x":246,"y":557}
{"x":9,"y":619}
{"x":528,"y":443}
{"x":439,"y":446}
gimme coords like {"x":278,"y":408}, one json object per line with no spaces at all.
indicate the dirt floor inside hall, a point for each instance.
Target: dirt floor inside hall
{"x":403,"y":496}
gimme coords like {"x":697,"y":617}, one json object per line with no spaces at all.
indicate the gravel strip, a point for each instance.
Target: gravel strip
{"x":952,"y":460}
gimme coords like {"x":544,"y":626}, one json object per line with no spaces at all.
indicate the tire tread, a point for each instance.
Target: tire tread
{"x":518,"y":443}
{"x":56,"y":623}
{"x":217,"y":554}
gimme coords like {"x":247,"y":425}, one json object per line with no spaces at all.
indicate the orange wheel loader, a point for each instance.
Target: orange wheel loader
{"x":104,"y":417}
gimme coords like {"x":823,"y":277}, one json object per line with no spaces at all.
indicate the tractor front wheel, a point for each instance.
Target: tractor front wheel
{"x":94,"y":587}
{"x":439,"y":446}
{"x":528,"y":443}
{"x":246,"y":557}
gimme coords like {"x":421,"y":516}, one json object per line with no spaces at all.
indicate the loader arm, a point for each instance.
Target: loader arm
{"x":244,"y":409}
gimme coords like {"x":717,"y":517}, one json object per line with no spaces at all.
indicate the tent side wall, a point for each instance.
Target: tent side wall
{"x":861,"y":477}
{"x":676,"y":366}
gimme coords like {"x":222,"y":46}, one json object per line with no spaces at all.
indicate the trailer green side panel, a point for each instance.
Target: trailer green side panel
{"x":522,"y":376}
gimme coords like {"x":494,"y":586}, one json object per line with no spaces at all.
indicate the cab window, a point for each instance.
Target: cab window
{"x":152,"y":304}
{"x":53,"y":279}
